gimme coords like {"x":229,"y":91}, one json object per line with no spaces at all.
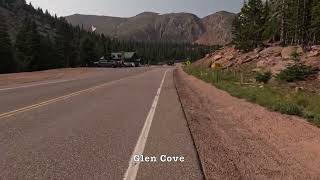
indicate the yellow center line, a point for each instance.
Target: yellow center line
{"x":34,"y":106}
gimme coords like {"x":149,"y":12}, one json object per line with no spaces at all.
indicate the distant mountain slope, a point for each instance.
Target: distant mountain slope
{"x":173,"y":27}
{"x":105,"y":24}
{"x":217,"y":28}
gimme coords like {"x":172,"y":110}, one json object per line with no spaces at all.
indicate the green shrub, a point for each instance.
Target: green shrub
{"x":263,"y":77}
{"x":312,"y":117}
{"x":303,"y":102}
{"x":287,"y":108}
{"x":297,"y":72}
{"x":295,"y":56}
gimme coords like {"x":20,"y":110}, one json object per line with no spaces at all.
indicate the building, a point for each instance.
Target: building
{"x":126,"y":57}
{"x":120,"y":59}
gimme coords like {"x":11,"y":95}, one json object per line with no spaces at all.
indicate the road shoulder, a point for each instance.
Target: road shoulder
{"x":239,"y":140}
{"x":169,"y":135}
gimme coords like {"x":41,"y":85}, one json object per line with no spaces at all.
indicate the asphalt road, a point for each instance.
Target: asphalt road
{"x":90,"y":128}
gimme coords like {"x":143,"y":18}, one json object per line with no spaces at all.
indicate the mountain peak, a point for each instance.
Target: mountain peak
{"x":220,"y":13}
{"x":148,"y":13}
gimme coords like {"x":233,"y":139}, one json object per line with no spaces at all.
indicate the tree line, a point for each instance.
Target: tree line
{"x":40,"y":41}
{"x":284,"y":22}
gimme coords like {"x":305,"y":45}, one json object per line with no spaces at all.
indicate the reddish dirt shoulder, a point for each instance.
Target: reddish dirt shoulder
{"x":240,"y":140}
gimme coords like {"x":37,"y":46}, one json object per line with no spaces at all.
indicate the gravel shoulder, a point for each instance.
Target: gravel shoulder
{"x":240,"y":140}
{"x":169,"y":135}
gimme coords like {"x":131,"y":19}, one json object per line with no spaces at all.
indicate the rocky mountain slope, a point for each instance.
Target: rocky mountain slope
{"x":217,"y":28}
{"x":174,"y":27}
{"x":273,"y":59}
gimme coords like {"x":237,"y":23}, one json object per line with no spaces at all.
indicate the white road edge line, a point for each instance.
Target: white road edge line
{"x":133,"y":168}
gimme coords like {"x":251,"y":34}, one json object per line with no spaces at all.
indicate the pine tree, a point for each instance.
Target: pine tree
{"x":75,"y":60}
{"x":88,"y":53}
{"x":290,"y":22}
{"x":7,"y":63}
{"x":255,"y":21}
{"x":270,"y":30}
{"x":64,"y":42}
{"x":35,"y":46}
{"x":28,"y":46}
{"x":46,"y":54}
{"x":22,"y":46}
{"x":315,"y":23}
{"x":248,"y":26}
{"x":104,"y":45}
{"x":237,"y":32}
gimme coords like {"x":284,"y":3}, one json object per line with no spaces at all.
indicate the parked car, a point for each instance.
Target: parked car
{"x":129,"y":64}
{"x":106,"y":63}
{"x":118,"y":60}
{"x":126,"y":59}
{"x":170,"y":63}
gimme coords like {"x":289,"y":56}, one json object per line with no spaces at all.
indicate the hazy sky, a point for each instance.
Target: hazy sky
{"x":127,"y":8}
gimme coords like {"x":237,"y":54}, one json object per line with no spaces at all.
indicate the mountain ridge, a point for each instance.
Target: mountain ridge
{"x":214,"y":29}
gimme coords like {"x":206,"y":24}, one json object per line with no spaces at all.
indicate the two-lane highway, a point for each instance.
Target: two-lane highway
{"x":91,"y":128}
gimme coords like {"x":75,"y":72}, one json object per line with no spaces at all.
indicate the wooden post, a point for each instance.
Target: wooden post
{"x":217,"y":76}
{"x":213,"y":76}
{"x":241,"y":78}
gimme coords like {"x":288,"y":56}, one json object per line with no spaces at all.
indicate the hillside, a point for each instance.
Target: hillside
{"x":104,"y":24}
{"x":274,"y":59}
{"x":31,"y":39}
{"x":217,"y":29}
{"x":16,"y":12}
{"x":174,"y":27}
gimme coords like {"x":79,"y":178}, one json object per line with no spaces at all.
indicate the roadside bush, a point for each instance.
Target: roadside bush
{"x":287,"y":108}
{"x":303,"y":102}
{"x":297,"y":72}
{"x":295,"y":56}
{"x":263,"y":77}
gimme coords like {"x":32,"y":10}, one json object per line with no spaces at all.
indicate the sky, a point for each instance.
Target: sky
{"x":129,"y":8}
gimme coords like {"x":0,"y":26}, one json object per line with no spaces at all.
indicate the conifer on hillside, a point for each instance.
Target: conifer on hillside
{"x":7,"y":63}
{"x":289,"y":22}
